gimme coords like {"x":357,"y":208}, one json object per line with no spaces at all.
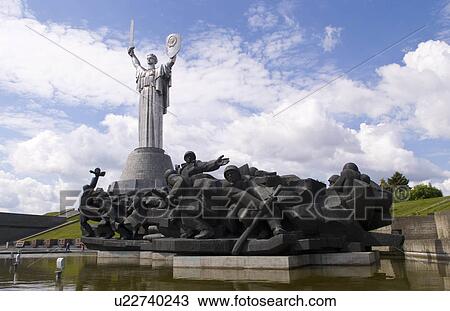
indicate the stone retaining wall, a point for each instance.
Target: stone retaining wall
{"x":17,"y":226}
{"x":442,"y":220}
{"x":416,"y":227}
{"x":426,"y":237}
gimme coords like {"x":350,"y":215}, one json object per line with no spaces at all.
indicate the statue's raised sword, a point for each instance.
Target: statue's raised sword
{"x":131,"y":42}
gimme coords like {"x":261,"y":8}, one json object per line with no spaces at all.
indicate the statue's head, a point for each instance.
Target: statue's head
{"x":189,"y":157}
{"x":152,"y":59}
{"x":351,"y":166}
{"x":232,"y":173}
{"x":333,"y":179}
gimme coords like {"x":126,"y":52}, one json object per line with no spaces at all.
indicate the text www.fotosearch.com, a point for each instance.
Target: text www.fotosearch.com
{"x":248,"y":301}
{"x":236,"y":300}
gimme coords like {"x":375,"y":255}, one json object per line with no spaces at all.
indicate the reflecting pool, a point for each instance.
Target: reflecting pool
{"x":92,"y":273}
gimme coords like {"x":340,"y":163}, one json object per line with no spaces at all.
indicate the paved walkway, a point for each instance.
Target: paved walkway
{"x":42,"y":250}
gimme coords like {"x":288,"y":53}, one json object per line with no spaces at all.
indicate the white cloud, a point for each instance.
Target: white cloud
{"x":70,"y":155}
{"x":281,"y":33}
{"x":443,"y":22}
{"x":30,"y":123}
{"x":332,"y":36}
{"x":259,"y":17}
{"x":26,"y":195}
{"x":285,"y":9}
{"x":444,"y":186}
{"x":422,"y":84}
{"x":12,"y":8}
{"x":274,"y":45}
{"x":32,"y":65}
{"x":384,"y":151}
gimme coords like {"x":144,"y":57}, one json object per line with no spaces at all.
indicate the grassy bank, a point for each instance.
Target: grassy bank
{"x":421,"y":207}
{"x":69,"y":231}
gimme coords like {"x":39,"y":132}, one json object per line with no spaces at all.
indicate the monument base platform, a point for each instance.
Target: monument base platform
{"x":144,"y":168}
{"x":284,"y":276}
{"x":283,"y":244}
{"x":276,"y":262}
{"x":259,"y":268}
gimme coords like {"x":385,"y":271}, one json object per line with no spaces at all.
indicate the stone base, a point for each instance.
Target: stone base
{"x":141,"y":258}
{"x":118,"y":254}
{"x":430,"y":250}
{"x":427,"y":257}
{"x":279,"y":269}
{"x":435,"y":246}
{"x":162,"y":259}
{"x":271,"y":275}
{"x":144,"y":168}
{"x":276,"y":262}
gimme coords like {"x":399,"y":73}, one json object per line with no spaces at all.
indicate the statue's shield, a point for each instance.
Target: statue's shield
{"x":173,"y":44}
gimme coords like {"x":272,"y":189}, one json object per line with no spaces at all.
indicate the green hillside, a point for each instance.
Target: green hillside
{"x":70,"y":231}
{"x":421,"y":207}
{"x":52,"y":214}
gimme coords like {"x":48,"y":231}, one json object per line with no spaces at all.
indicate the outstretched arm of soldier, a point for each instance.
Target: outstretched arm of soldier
{"x":222,"y":161}
{"x":209,"y":166}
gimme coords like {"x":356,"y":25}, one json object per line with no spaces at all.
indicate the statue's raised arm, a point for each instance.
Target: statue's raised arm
{"x":171,"y":62}
{"x":134,"y":59}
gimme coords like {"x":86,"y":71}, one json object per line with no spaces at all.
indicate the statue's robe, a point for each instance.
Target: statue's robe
{"x":153,"y":86}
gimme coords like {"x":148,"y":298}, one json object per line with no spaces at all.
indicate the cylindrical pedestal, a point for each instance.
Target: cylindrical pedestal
{"x":144,"y":168}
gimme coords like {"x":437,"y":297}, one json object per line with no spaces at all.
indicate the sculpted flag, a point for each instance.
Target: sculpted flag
{"x":173,"y":44}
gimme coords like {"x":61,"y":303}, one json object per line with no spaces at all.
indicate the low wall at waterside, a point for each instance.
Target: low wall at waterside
{"x":426,"y":237}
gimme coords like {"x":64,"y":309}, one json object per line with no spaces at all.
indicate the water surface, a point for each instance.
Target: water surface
{"x":91,"y":273}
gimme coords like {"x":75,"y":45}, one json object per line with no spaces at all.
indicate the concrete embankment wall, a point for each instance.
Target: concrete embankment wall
{"x":16,"y":226}
{"x":416,"y":227}
{"x":436,"y":226}
{"x":426,"y":237}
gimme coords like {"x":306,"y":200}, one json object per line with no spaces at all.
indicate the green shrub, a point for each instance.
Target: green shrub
{"x":424,"y":191}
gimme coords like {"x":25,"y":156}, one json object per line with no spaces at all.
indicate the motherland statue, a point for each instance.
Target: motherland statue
{"x":153,"y":85}
{"x":146,"y":165}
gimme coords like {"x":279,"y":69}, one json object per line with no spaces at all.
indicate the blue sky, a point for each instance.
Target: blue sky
{"x":241,"y":61}
{"x":371,"y":25}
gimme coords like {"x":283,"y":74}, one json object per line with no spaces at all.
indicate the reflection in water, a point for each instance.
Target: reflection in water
{"x":90,"y":273}
{"x":273,"y":276}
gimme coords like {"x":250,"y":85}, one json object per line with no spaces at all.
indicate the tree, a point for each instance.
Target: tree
{"x":424,"y":191}
{"x":384,"y":185}
{"x":398,"y":179}
{"x":397,"y":184}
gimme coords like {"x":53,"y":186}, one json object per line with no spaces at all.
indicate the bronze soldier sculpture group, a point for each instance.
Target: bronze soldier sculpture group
{"x":246,"y":205}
